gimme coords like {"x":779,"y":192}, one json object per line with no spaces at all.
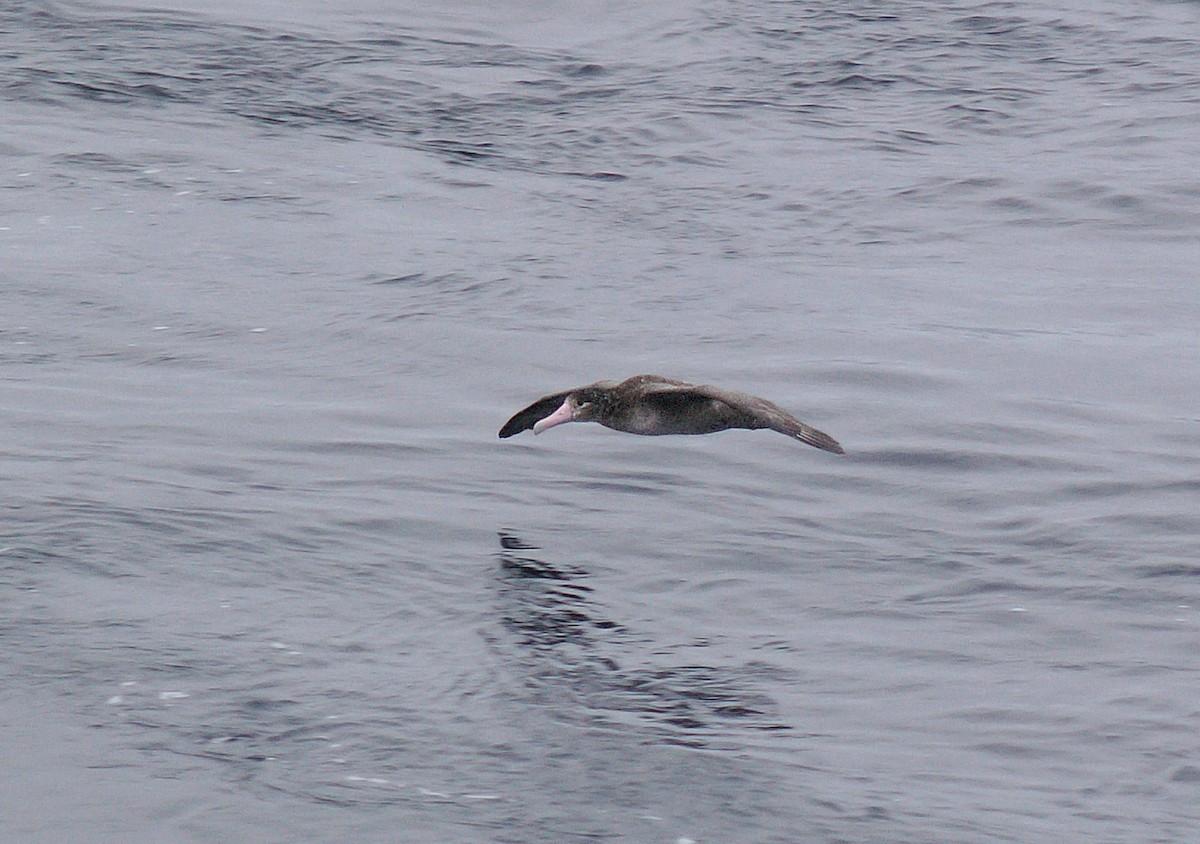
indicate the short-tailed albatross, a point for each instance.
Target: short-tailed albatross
{"x":653,"y":405}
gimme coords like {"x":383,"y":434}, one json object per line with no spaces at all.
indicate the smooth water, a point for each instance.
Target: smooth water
{"x":271,"y":278}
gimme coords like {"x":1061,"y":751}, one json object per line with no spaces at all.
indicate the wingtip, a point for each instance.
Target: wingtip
{"x":511,"y":429}
{"x":831,"y":445}
{"x":819,"y":439}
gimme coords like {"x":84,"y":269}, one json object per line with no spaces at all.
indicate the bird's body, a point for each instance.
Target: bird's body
{"x":652,"y":405}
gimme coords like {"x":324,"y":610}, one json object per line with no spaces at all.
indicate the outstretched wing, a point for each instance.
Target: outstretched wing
{"x":527,"y":418}
{"x":754,"y":412}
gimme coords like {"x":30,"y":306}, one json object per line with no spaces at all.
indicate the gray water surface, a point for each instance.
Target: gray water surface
{"x":271,"y":279}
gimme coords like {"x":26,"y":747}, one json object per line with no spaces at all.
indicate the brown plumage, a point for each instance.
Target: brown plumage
{"x":652,"y":405}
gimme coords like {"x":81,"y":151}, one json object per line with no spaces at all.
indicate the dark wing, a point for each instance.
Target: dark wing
{"x":651,"y":382}
{"x":540,"y":409}
{"x":760,"y":413}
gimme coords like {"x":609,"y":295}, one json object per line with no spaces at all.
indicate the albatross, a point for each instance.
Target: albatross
{"x":652,"y":405}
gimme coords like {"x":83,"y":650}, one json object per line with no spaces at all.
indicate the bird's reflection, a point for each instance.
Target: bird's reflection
{"x":580,"y":661}
{"x":547,"y":604}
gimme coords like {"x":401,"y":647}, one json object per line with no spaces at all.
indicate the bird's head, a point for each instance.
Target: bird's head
{"x":585,"y":405}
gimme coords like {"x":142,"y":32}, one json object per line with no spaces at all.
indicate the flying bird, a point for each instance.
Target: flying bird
{"x":652,"y":405}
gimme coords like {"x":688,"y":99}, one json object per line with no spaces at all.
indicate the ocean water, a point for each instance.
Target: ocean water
{"x":273,"y":275}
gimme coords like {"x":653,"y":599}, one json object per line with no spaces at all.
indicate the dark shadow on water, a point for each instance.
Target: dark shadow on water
{"x":546,"y":605}
{"x":582,"y":664}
